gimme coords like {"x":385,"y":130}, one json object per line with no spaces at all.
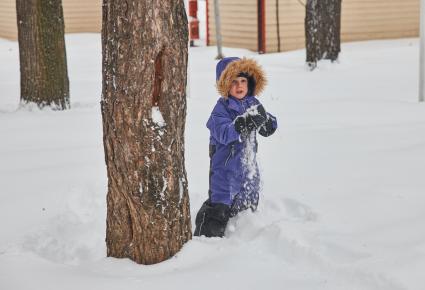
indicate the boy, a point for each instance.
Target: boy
{"x":234,"y":121}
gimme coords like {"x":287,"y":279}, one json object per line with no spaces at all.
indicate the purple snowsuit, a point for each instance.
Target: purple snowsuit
{"x":233,"y":124}
{"x":234,"y":174}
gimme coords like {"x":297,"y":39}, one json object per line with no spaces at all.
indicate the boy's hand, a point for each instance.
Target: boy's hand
{"x":252,"y":121}
{"x":240,"y":124}
{"x":256,"y":120}
{"x":261,"y":111}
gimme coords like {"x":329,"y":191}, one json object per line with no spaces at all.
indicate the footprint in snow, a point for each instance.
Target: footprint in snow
{"x":293,"y":209}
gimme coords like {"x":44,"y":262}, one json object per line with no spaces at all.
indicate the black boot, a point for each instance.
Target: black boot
{"x":200,"y":218}
{"x":211,"y":220}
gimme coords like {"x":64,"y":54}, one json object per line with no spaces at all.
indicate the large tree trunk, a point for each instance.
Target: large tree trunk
{"x":322,"y":30}
{"x":144,"y":80}
{"x":44,"y":76}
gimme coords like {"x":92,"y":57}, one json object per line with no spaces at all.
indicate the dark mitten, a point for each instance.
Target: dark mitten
{"x":211,"y":220}
{"x":267,"y":129}
{"x":261,"y":111}
{"x":250,"y":124}
{"x":255,"y":121}
{"x":240,"y":124}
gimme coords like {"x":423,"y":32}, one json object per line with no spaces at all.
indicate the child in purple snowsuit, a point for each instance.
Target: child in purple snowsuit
{"x":233,"y":124}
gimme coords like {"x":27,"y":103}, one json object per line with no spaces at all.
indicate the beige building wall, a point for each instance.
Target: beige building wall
{"x":80,"y":16}
{"x":291,"y":25}
{"x":238,"y":23}
{"x":8,"y":19}
{"x":361,"y":20}
{"x":379,"y":19}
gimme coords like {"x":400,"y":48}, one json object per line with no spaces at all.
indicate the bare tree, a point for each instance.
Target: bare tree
{"x":44,"y":75}
{"x":322,"y":30}
{"x":144,"y":109}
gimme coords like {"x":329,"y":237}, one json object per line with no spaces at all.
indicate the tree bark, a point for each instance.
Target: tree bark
{"x":44,"y":75}
{"x":144,"y":47}
{"x":322,"y":30}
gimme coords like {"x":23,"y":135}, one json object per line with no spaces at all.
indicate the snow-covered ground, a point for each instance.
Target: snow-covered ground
{"x":342,"y":207}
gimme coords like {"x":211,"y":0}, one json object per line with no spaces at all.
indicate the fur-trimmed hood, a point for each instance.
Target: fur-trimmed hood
{"x":228,"y":69}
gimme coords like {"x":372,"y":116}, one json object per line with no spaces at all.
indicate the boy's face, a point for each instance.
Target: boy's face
{"x":239,"y":88}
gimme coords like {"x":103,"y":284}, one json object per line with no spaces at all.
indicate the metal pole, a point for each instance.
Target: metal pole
{"x":422,"y":52}
{"x":218,"y":29}
{"x":278,"y":25}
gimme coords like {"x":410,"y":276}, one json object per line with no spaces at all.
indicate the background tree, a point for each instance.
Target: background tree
{"x":322,"y":30}
{"x":44,"y":75}
{"x":144,"y":109}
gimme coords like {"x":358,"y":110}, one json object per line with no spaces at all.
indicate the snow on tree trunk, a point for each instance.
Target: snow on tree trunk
{"x":144,"y":109}
{"x":44,"y":75}
{"x":322,"y":30}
